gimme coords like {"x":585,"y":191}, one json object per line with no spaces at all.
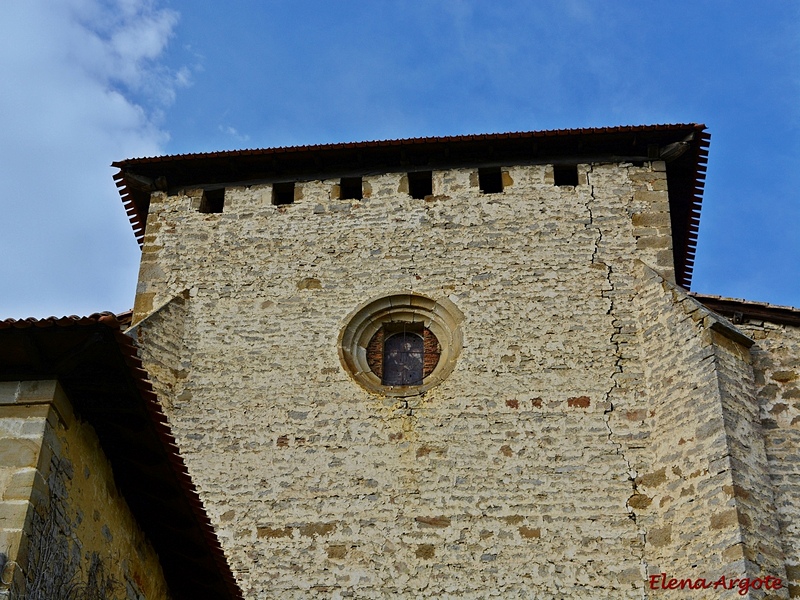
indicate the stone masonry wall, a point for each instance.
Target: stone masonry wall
{"x":706,"y":502}
{"x":22,"y":429}
{"x":776,"y":360}
{"x":77,"y":538}
{"x":515,"y":477}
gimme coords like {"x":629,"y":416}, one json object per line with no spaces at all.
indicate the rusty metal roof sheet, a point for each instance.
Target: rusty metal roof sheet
{"x":100,"y":371}
{"x":138,"y":177}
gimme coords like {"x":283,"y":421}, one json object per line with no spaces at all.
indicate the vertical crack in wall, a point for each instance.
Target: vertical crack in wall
{"x":608,"y":394}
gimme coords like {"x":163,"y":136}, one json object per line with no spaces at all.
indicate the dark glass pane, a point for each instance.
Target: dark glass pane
{"x":402,"y":359}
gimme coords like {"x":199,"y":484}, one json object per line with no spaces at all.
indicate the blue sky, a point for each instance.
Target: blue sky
{"x":87,"y":82}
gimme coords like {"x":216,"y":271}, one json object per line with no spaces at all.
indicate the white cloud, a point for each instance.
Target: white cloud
{"x":83,"y":84}
{"x":234,"y":133}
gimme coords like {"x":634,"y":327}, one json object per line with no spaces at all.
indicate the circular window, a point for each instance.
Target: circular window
{"x":401,"y":345}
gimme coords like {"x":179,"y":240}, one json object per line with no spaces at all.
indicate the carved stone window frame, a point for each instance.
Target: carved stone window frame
{"x":440,"y":316}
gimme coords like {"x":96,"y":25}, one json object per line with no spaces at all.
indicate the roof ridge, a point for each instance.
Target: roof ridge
{"x":467,"y":137}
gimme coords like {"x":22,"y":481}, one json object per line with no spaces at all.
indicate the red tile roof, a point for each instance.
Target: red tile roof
{"x":98,"y":367}
{"x":138,"y":177}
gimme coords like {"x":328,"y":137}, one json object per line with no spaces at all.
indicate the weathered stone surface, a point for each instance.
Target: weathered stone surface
{"x":776,"y":360}
{"x":65,"y":530}
{"x":595,"y":425}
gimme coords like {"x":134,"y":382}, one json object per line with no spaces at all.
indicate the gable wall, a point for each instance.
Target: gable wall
{"x":512,"y":475}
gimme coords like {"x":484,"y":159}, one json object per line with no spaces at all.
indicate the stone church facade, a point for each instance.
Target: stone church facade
{"x":467,"y":367}
{"x":587,"y":423}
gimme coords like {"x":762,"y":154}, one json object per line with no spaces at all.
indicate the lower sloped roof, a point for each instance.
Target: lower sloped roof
{"x":737,"y":309}
{"x":98,"y":367}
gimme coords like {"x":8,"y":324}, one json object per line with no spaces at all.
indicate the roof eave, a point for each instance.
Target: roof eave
{"x":139,"y":177}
